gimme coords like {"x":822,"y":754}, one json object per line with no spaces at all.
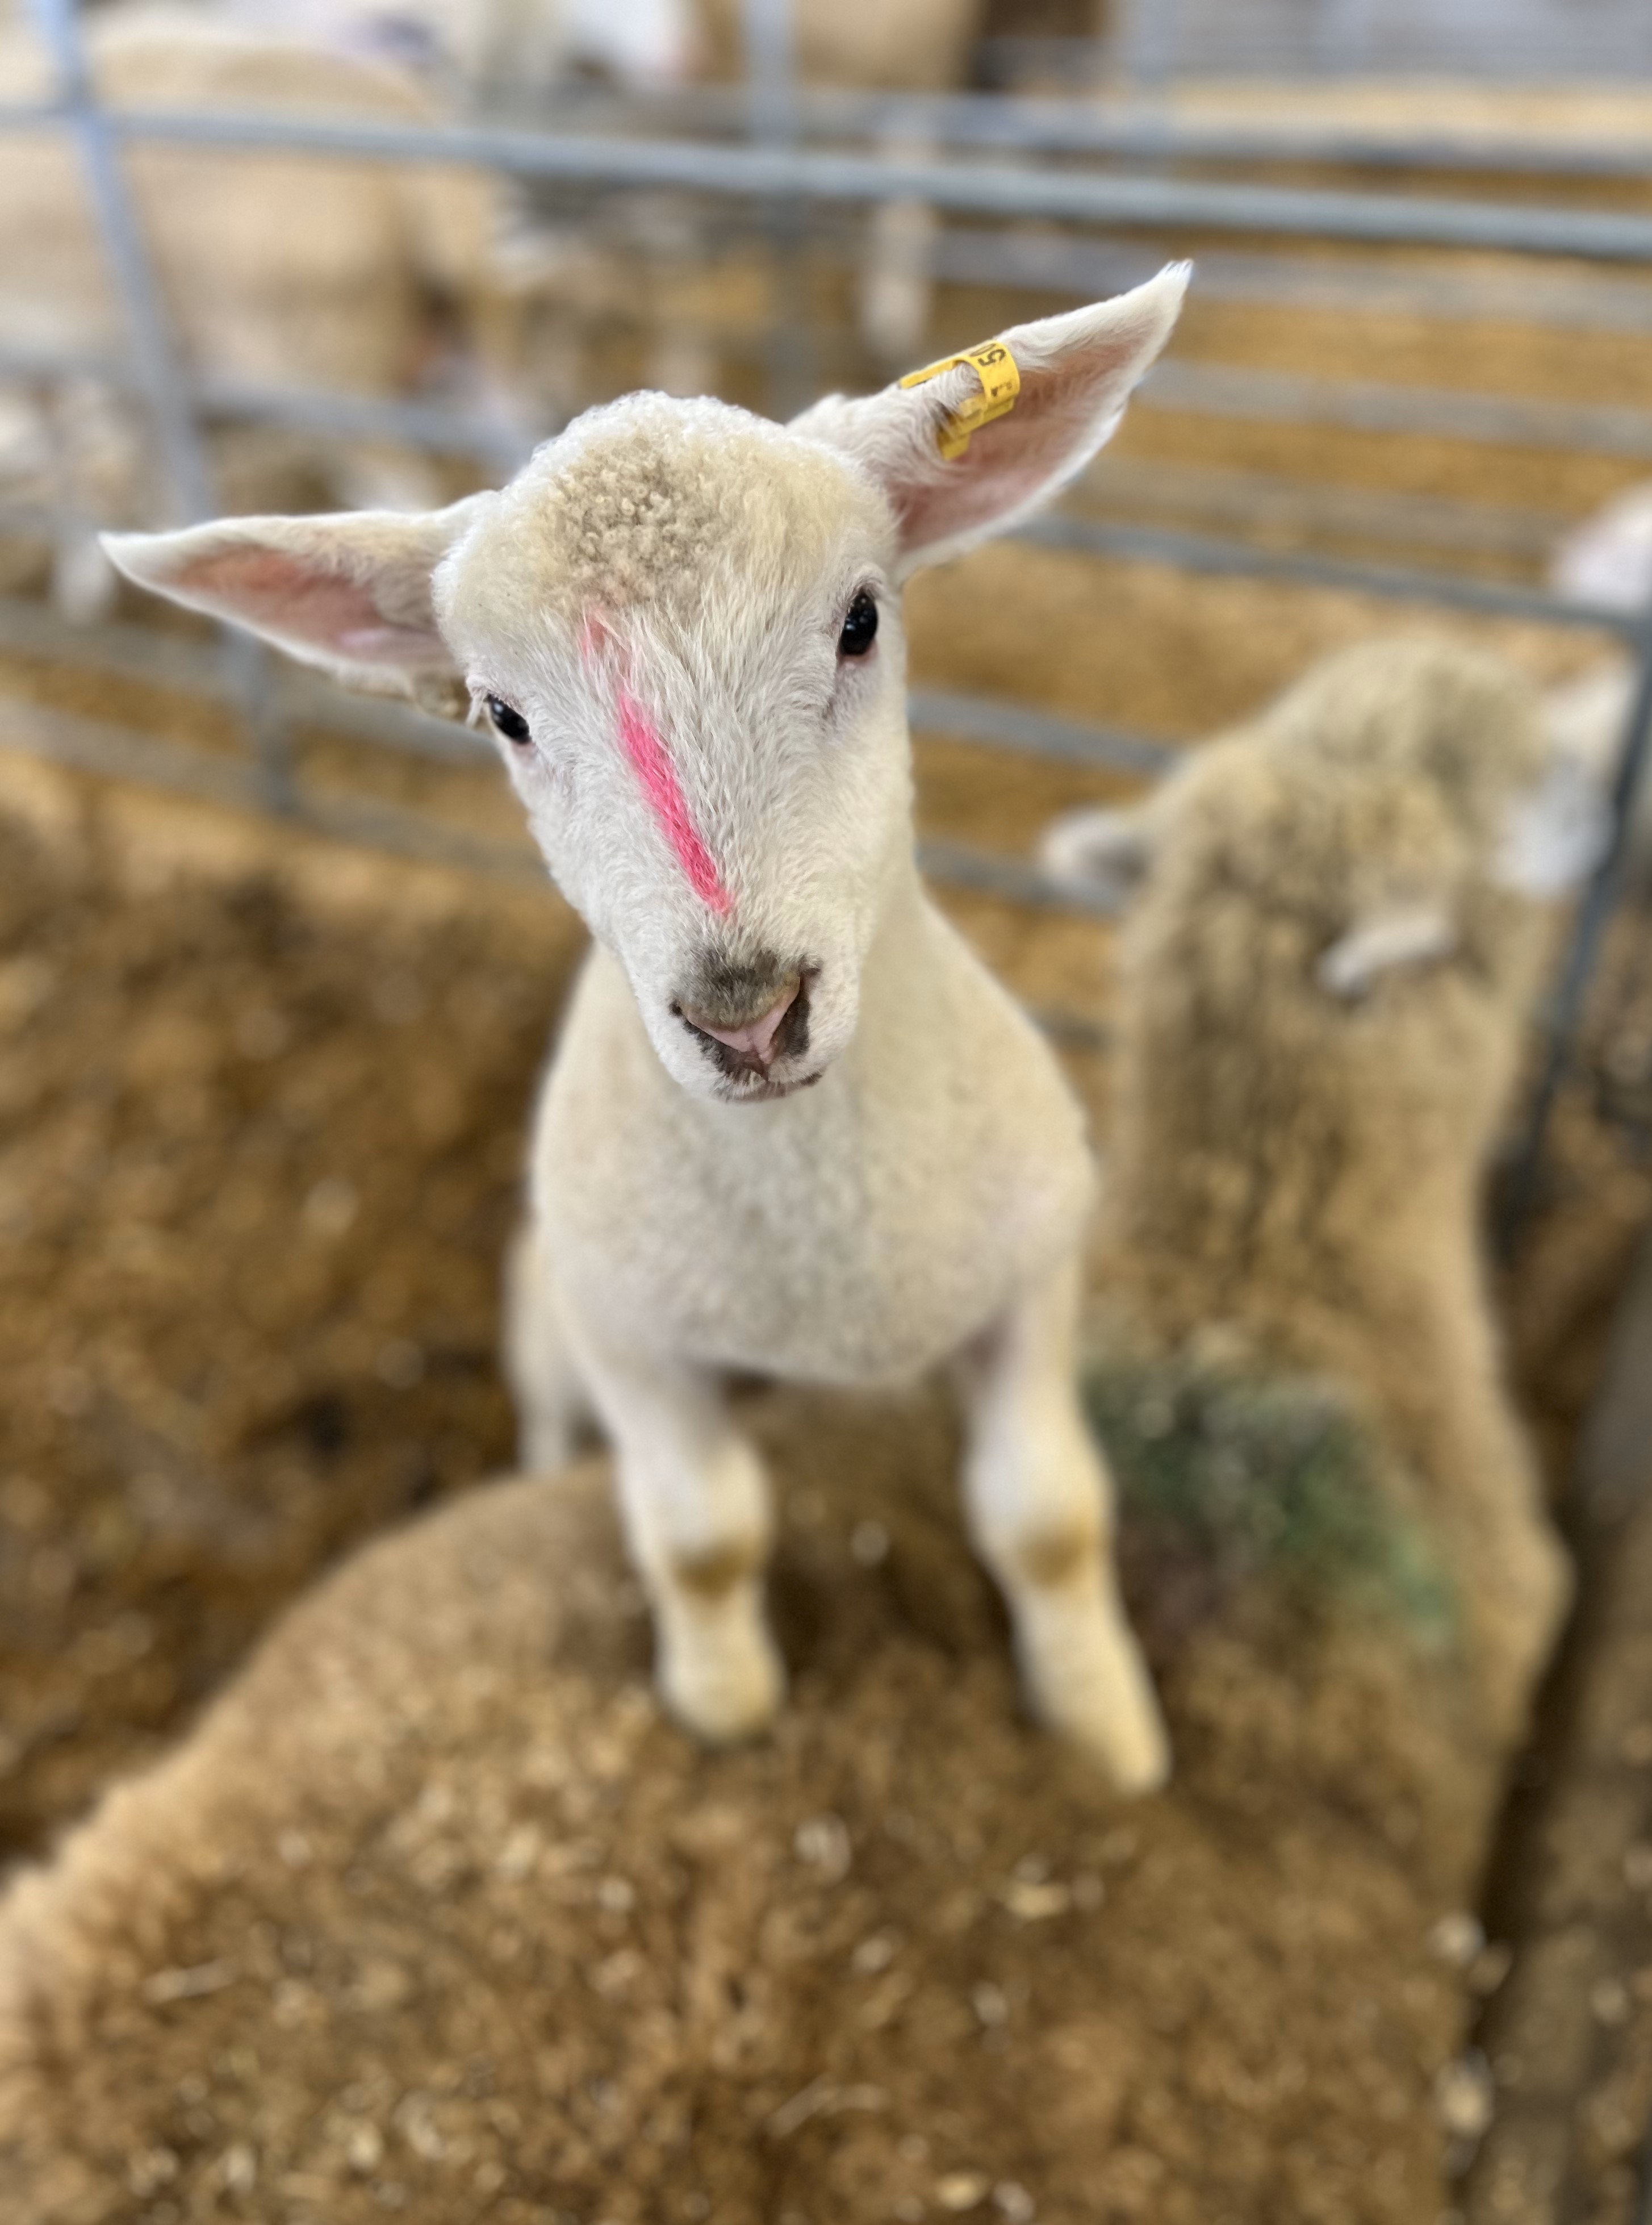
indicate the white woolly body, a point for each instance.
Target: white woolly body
{"x":792,"y":1126}
{"x":866,"y":1228}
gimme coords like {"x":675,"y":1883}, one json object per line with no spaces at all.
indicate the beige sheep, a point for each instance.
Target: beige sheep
{"x":493,"y":50}
{"x":436,"y":1917}
{"x":1324,"y":993}
{"x":279,"y":270}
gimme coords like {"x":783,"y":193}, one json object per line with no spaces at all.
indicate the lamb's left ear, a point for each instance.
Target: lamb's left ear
{"x":351,"y":593}
{"x":956,"y":464}
{"x":1107,"y":849}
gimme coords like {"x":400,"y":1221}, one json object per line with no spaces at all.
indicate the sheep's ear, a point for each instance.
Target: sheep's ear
{"x":1110,"y":850}
{"x":954,"y":474}
{"x":1608,"y":559}
{"x":1556,"y":834}
{"x":1383,"y":941}
{"x":351,"y":593}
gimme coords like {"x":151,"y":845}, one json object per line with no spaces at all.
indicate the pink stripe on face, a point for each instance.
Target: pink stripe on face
{"x":640,"y":742}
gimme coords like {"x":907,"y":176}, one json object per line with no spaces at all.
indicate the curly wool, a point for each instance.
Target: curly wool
{"x":654,"y":502}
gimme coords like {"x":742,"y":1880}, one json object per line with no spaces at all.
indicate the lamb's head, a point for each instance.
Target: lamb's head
{"x":1324,"y":976}
{"x":682,"y":625}
{"x":1454,"y":734}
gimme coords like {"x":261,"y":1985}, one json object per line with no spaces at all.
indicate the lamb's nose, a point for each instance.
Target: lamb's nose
{"x":753,"y":1039}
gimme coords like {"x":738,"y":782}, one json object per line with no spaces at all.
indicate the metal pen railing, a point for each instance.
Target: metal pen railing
{"x":1020,"y":169}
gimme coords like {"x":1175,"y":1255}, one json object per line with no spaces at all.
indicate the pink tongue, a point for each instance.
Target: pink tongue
{"x":756,"y":1038}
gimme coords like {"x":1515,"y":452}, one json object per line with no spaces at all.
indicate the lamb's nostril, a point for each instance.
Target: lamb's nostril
{"x":753,"y":1039}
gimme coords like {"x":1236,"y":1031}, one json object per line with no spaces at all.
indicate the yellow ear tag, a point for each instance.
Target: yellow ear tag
{"x":995,"y":367}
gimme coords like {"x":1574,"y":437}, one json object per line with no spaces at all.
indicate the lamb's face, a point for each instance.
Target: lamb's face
{"x":680,"y":623}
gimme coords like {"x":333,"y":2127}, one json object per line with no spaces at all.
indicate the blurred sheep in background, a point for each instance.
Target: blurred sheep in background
{"x":367,"y":279}
{"x":484,"y":51}
{"x":279,"y":271}
{"x":1324,"y":986}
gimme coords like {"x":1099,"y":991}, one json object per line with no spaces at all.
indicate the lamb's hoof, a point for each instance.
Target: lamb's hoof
{"x":1129,"y":1740}
{"x":545,"y":1447}
{"x":726,"y":1691}
{"x":1097,"y":1695}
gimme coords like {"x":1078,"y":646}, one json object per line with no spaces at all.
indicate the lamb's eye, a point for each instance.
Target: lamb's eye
{"x":859,"y":627}
{"x":511,"y":724}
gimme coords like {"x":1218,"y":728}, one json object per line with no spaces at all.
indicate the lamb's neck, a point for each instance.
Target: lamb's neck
{"x":905,"y":953}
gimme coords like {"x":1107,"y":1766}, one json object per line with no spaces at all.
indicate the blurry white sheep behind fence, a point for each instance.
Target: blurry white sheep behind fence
{"x":1078,"y":196}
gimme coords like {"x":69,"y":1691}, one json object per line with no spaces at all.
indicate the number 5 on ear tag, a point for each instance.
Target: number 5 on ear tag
{"x":995,"y":367}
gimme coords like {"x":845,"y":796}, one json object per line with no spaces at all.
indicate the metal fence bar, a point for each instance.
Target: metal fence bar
{"x":1027,"y":124}
{"x":757,"y":173}
{"x":114,"y":752}
{"x":1565,"y":1010}
{"x":436,"y":425}
{"x":1366,"y":285}
{"x":1011,"y":879}
{"x":1200,"y":388}
{"x":1021,"y":123}
{"x":159,"y":660}
{"x":1038,"y":123}
{"x":1213,"y":390}
{"x":771,"y":97}
{"x":1275,"y":500}
{"x":1194,"y":552}
{"x":780,"y":167}
{"x":160,"y":368}
{"x":1035,"y":733}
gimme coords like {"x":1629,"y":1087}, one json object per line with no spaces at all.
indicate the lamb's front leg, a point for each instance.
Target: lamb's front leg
{"x":695,"y":1502}
{"x":1039,"y":1500}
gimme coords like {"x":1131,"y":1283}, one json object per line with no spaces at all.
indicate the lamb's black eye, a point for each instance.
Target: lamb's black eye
{"x":511,"y":724}
{"x":859,"y":627}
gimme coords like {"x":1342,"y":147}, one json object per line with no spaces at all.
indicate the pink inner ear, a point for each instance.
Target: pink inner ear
{"x":1010,"y":462}
{"x":267,"y":587}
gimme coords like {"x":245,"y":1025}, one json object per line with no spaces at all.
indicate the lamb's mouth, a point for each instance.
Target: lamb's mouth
{"x":760,"y":1089}
{"x":753,"y":1073}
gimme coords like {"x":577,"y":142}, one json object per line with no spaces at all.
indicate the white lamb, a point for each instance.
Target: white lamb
{"x":794,"y":1127}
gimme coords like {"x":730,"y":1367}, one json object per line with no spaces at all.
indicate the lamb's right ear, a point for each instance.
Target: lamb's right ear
{"x":965,"y":447}
{"x":349,"y":594}
{"x":1109,"y":851}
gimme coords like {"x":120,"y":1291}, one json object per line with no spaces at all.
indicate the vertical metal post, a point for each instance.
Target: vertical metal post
{"x":1566,"y":1010}
{"x":164,"y":376}
{"x":771,"y":109}
{"x":1344,"y":36}
{"x":189,"y":480}
{"x":771,"y":97}
{"x":1147,"y":49}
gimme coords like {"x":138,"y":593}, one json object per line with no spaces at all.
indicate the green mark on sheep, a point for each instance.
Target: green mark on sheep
{"x":1268,"y":1479}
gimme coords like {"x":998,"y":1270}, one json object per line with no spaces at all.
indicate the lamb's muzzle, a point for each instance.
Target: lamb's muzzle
{"x":754,"y":1040}
{"x":750,"y":1019}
